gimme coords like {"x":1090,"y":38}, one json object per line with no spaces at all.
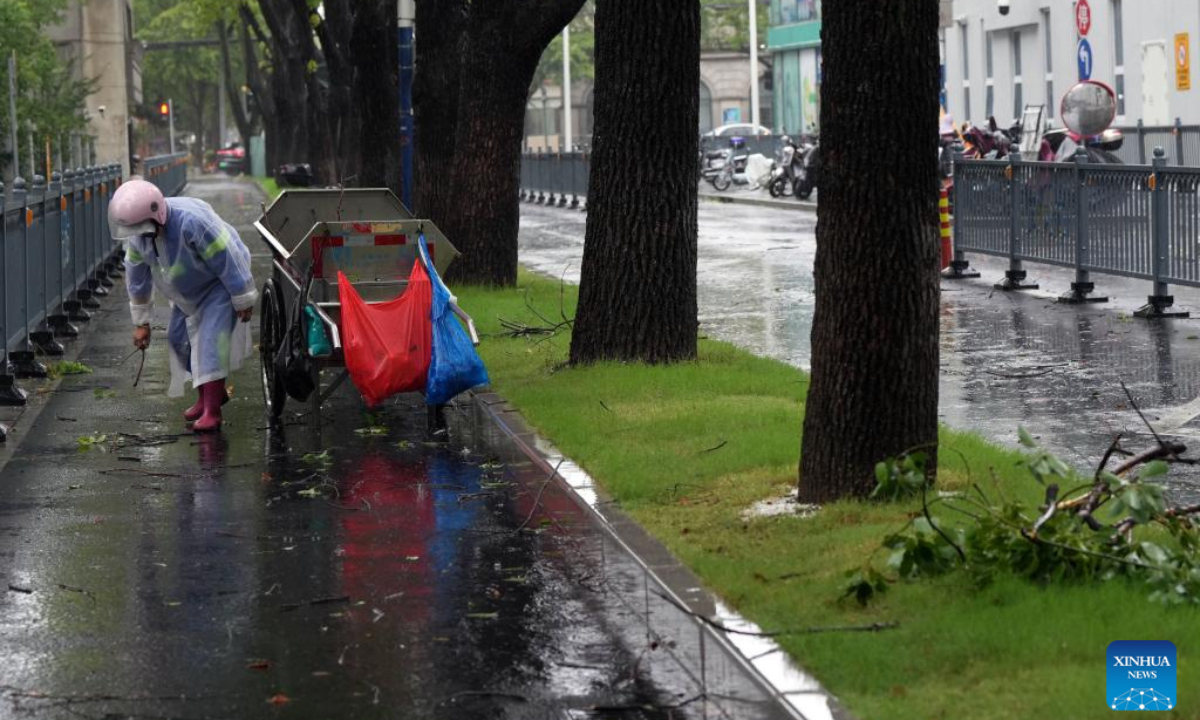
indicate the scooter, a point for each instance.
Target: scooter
{"x":809,"y":174}
{"x":783,"y":176}
{"x":1060,"y":145}
{"x":732,"y":163}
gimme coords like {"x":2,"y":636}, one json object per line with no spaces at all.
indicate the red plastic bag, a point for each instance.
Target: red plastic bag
{"x":387,"y":346}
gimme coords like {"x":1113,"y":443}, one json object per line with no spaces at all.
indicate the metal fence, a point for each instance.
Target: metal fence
{"x":552,"y":178}
{"x":57,"y":258}
{"x":1181,"y":143}
{"x":1137,"y":221}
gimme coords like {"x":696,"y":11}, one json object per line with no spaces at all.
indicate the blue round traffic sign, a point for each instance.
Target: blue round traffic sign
{"x":1084,"y":56}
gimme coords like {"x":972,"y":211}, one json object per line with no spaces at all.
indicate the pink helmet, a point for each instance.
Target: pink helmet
{"x":134,"y":209}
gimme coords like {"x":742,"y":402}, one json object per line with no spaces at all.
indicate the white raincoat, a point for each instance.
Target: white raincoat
{"x":198,"y":262}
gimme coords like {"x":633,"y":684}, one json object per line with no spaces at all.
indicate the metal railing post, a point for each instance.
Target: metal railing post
{"x":1141,"y":128}
{"x":1178,"y":131}
{"x":11,"y":393}
{"x":1014,"y":276}
{"x":93,"y":235}
{"x":24,"y":359}
{"x":59,"y":321}
{"x":541,"y":197}
{"x":43,"y":336}
{"x":960,"y":267}
{"x":552,"y":160}
{"x":562,"y":180}
{"x":576,"y":159}
{"x":1159,"y":304}
{"x":587,"y":178}
{"x":1083,"y":287}
{"x":523,"y":179}
{"x":73,"y":181}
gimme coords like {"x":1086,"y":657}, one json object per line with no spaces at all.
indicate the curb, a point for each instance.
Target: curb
{"x":792,"y":693}
{"x":760,"y":202}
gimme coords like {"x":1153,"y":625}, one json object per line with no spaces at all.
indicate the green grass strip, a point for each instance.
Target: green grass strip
{"x":687,"y":448}
{"x":269,"y":186}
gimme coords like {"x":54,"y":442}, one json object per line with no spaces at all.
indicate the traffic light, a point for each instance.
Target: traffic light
{"x":164,"y":108}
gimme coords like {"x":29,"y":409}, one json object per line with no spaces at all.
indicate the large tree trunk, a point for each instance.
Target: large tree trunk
{"x":874,"y":386}
{"x":375,"y":141}
{"x":233,"y":91}
{"x":505,"y":40}
{"x":637,"y":294}
{"x":289,"y":87}
{"x":442,"y":25}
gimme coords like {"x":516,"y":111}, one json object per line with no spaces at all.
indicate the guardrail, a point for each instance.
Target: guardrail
{"x":57,"y":258}
{"x":168,"y":172}
{"x":550,"y":177}
{"x":1137,"y":221}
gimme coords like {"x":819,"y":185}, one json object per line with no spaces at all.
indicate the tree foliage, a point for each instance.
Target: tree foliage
{"x":49,"y":97}
{"x":725,"y":25}
{"x":189,"y":76}
{"x":1116,"y":525}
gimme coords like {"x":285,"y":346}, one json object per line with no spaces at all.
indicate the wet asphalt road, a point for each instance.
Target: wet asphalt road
{"x":346,"y":569}
{"x":1008,"y":359}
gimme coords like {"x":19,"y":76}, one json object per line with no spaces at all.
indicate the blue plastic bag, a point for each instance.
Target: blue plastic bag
{"x":454,"y":365}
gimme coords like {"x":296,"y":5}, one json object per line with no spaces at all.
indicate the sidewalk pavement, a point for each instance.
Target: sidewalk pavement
{"x":738,"y":195}
{"x":337,"y":567}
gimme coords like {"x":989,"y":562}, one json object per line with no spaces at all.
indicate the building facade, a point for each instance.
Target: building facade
{"x":724,"y":98}
{"x":794,"y":43}
{"x":996,"y":64}
{"x":97,"y":37}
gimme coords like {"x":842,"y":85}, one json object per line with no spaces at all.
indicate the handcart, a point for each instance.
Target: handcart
{"x":366,"y":234}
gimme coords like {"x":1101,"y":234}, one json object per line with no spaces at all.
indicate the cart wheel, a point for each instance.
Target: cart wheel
{"x":270,"y":336}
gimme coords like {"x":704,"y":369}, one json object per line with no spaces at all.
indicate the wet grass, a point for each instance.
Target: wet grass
{"x":269,"y":186}
{"x":687,"y":448}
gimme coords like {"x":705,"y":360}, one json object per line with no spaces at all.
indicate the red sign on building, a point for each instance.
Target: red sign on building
{"x":1083,"y":17}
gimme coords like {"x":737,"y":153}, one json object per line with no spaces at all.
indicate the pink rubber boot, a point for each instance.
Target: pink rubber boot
{"x":193,"y":413}
{"x":210,"y":395}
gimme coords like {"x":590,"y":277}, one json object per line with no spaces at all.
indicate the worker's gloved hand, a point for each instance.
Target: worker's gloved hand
{"x":244,"y":315}
{"x":141,"y":337}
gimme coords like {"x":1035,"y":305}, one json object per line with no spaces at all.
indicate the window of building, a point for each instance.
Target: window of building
{"x":990,"y":100}
{"x":1018,"y":82}
{"x":1118,"y":24}
{"x":1051,"y":101}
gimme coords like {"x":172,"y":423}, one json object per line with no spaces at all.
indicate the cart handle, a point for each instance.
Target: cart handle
{"x":467,"y":319}
{"x":269,"y":238}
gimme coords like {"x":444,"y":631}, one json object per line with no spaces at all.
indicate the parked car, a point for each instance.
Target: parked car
{"x":232,"y":159}
{"x":736,"y":129}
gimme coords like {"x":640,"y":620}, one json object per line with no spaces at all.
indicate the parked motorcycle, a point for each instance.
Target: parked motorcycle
{"x":729,"y":164}
{"x":809,"y":174}
{"x":787,"y":167}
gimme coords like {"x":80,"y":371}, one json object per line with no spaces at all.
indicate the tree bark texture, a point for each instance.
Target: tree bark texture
{"x":442,"y":25}
{"x":375,"y":100}
{"x":505,"y":41}
{"x":637,"y":295}
{"x":874,"y":386}
{"x":288,"y":85}
{"x":233,"y":89}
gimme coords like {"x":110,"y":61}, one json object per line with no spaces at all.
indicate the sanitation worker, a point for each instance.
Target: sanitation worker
{"x":195,"y":260}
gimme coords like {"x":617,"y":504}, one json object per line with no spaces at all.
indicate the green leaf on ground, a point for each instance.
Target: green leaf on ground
{"x":87,"y":442}
{"x":67,"y":367}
